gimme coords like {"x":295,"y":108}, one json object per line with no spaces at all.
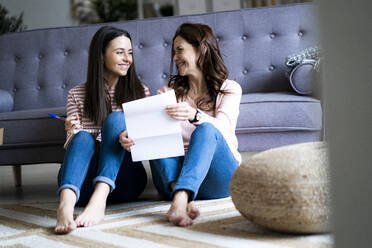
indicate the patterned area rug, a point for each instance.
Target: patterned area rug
{"x":143,"y":224}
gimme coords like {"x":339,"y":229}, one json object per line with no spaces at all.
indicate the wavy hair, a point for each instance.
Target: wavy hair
{"x":210,"y":62}
{"x":97,"y":103}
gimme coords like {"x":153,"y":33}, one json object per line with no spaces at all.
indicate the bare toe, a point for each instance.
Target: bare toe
{"x":192,"y":211}
{"x":92,"y":215}
{"x":179,"y":220}
{"x":65,"y":221}
{"x":178,"y":215}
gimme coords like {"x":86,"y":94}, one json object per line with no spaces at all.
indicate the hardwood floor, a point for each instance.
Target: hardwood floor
{"x":39,"y":183}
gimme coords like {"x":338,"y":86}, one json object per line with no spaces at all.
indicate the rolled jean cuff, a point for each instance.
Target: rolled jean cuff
{"x":192,"y":192}
{"x":105,"y":180}
{"x":72,"y":187}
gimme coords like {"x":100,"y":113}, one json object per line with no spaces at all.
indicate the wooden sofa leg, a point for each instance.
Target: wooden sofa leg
{"x":17,"y":173}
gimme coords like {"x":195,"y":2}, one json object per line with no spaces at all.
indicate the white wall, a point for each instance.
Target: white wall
{"x":41,"y":13}
{"x":220,"y":5}
{"x":187,"y":7}
{"x":183,"y":7}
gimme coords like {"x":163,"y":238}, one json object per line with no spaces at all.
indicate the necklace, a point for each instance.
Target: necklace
{"x":195,"y":91}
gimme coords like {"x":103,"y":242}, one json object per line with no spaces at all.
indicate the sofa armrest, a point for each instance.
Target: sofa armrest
{"x":6,"y":101}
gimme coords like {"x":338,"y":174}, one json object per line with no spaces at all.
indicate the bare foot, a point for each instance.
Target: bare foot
{"x":192,"y":211}
{"x":65,"y":212}
{"x":94,"y":212}
{"x":177,"y":213}
{"x":92,"y":215}
{"x":65,"y":220}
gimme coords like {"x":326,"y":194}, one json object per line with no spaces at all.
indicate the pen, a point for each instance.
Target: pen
{"x":57,"y":116}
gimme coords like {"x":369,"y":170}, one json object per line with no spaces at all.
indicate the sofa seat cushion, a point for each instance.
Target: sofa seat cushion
{"x":278,"y":112}
{"x":32,"y":126}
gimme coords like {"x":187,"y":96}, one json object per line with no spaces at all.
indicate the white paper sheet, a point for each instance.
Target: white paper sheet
{"x":155,"y":133}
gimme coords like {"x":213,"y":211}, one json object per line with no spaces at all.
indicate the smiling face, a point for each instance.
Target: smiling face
{"x":118,"y":57}
{"x":185,"y":56}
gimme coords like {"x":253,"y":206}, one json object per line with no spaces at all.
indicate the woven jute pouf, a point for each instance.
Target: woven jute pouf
{"x":286,"y":189}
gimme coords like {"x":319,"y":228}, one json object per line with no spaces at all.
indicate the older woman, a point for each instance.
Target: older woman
{"x":208,"y":108}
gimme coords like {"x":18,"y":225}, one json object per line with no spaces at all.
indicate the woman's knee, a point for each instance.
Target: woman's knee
{"x":83,"y":137}
{"x":114,"y":121}
{"x":114,"y":118}
{"x":205,"y":129}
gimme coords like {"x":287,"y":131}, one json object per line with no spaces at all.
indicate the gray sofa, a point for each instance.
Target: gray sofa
{"x":38,"y":67}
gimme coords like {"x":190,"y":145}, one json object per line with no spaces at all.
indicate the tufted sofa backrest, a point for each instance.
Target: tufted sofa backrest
{"x":38,"y":67}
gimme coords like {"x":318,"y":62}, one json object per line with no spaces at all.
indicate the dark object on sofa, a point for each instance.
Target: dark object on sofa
{"x":37,"y":69}
{"x":304,"y":70}
{"x":305,"y":76}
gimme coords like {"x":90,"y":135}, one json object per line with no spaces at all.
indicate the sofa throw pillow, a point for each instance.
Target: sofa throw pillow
{"x":303,"y":72}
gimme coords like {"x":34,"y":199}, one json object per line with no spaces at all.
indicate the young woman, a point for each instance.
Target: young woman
{"x":208,"y":108}
{"x":96,"y":168}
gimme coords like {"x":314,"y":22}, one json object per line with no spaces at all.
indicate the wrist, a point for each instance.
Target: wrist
{"x":196,"y":117}
{"x":193,"y":113}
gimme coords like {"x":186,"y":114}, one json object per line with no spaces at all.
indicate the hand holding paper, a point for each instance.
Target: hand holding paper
{"x":181,"y":111}
{"x":155,"y":133}
{"x":126,"y":142}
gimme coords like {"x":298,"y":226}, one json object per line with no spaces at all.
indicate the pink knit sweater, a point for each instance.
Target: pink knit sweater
{"x":224,"y":118}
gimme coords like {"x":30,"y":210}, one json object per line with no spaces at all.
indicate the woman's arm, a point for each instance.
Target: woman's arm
{"x":73,"y":120}
{"x":227,"y":108}
{"x":180,"y":111}
{"x":147,"y":90}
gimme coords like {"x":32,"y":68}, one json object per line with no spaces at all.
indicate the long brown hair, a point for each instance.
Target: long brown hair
{"x":210,"y":61}
{"x":97,"y":104}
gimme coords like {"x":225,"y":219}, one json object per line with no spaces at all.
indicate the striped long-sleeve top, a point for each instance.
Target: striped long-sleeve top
{"x":75,"y":106}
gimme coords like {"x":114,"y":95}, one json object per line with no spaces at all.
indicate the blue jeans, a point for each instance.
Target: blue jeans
{"x":205,"y":171}
{"x":86,"y":163}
